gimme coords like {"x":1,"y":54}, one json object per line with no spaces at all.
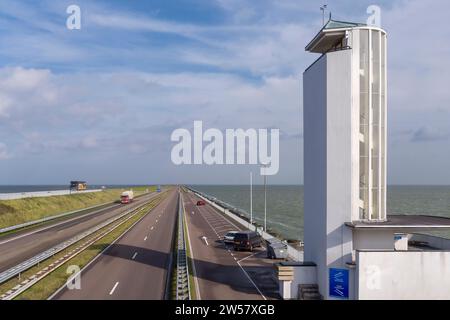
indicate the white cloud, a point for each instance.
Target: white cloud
{"x":50,"y":113}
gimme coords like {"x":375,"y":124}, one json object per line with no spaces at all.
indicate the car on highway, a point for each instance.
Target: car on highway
{"x":200,"y":203}
{"x":247,"y":240}
{"x":229,"y":237}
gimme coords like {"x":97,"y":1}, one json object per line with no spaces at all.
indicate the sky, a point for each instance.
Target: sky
{"x":100,"y":103}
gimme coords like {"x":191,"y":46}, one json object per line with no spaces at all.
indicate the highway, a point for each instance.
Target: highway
{"x":23,"y":245}
{"x":221,"y":272}
{"x":137,"y":265}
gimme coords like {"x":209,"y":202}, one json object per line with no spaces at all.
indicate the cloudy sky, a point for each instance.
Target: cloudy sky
{"x":100,"y":103}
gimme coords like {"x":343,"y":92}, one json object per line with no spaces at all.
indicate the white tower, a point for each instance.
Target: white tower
{"x":344,"y":142}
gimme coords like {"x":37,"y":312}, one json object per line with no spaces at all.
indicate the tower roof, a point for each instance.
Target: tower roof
{"x":335,"y":24}
{"x":331,"y":33}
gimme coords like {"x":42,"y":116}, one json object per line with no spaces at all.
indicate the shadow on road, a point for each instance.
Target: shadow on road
{"x":230,"y":275}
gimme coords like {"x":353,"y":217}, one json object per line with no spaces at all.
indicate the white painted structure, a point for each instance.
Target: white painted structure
{"x":346,"y":226}
{"x":388,"y":275}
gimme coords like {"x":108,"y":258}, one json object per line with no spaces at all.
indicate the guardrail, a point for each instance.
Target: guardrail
{"x":183,"y":291}
{"x":230,"y":211}
{"x":20,"y":268}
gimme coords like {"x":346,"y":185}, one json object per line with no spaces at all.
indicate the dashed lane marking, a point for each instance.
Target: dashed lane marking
{"x":113,"y":289}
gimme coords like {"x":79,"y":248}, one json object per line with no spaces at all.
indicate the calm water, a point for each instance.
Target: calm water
{"x":285,"y":203}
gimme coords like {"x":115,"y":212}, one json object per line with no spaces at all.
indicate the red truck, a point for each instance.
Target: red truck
{"x":126,"y":197}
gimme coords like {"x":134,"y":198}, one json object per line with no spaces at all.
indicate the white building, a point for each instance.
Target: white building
{"x":353,"y":250}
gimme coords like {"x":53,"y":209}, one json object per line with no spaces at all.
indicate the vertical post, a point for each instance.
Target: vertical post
{"x":251,"y":198}
{"x":380,"y":124}
{"x":265,"y":200}
{"x":370,"y":131}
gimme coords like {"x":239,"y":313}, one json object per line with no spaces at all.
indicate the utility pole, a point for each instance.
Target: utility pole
{"x":265,"y":197}
{"x":251,"y":198}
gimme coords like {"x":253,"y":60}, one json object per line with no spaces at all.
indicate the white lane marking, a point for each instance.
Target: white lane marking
{"x":145,"y":239}
{"x":134,"y":256}
{"x":62,"y":222}
{"x":194,"y":270}
{"x":251,"y":255}
{"x":113,"y":289}
{"x":245,"y":272}
{"x":206,"y":240}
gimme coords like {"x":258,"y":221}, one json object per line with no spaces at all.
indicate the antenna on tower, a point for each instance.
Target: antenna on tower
{"x":323,"y":9}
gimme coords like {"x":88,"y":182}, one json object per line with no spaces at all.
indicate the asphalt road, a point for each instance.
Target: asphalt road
{"x":221,"y":272}
{"x":136,"y":266}
{"x":18,"y":247}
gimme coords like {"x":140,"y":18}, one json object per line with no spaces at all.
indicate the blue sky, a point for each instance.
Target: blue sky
{"x":100,"y":103}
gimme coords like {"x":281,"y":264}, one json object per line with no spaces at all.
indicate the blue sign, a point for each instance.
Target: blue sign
{"x":339,"y":283}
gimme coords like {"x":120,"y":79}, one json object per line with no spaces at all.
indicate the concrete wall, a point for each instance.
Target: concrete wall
{"x":405,"y":275}
{"x":328,"y":163}
{"x":22,"y":195}
{"x":339,"y":158}
{"x":315,"y":166}
{"x":303,"y":275}
{"x":373,"y":239}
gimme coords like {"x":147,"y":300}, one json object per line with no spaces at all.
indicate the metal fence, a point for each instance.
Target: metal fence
{"x":183,"y":289}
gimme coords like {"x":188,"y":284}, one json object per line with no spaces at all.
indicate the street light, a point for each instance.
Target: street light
{"x":265,"y":197}
{"x":251,"y":198}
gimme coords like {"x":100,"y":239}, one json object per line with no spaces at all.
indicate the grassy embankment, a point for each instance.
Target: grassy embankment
{"x":18,"y":211}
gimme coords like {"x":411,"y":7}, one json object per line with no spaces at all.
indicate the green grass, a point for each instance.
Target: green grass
{"x":13,"y":212}
{"x":47,"y":286}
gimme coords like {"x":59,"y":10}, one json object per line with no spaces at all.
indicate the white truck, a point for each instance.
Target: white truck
{"x":126,"y":197}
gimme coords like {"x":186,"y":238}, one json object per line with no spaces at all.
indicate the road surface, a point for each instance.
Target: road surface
{"x":136,"y":266}
{"x":18,"y":247}
{"x":221,"y":272}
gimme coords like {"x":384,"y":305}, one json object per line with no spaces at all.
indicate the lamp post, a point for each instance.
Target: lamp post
{"x":251,"y":198}
{"x":265,"y":197}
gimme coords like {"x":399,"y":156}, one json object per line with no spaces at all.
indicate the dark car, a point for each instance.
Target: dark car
{"x":229,"y":237}
{"x":247,"y":240}
{"x":200,"y":203}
